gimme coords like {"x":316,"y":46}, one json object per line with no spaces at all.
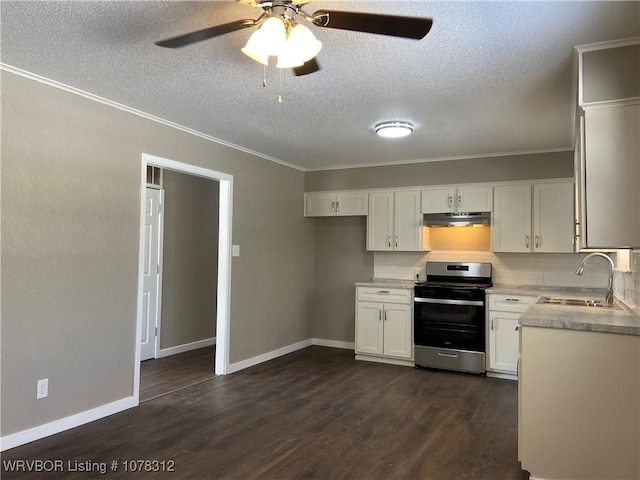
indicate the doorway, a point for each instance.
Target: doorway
{"x":224,"y":259}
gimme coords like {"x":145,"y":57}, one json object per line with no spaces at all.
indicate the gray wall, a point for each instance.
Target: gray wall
{"x":490,"y":169}
{"x":611,"y":74}
{"x":70,"y":237}
{"x":340,"y":261}
{"x":190,"y":259}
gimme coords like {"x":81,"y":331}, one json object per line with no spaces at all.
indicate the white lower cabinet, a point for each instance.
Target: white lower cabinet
{"x":384,"y":326}
{"x":503,"y":331}
{"x":578,"y":404}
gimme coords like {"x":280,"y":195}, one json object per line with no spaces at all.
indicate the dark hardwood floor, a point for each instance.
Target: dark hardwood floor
{"x":314,"y":414}
{"x":169,"y":374}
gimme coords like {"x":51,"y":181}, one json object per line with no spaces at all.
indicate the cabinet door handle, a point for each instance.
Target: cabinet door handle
{"x":526,"y":241}
{"x":537,"y":241}
{"x":389,"y":240}
{"x":517,"y":327}
{"x":451,"y":200}
{"x":380,"y":315}
{"x":459,"y":200}
{"x":333,"y":206}
{"x":337,"y":206}
{"x":492,"y":324}
{"x":385,"y":315}
{"x":396,"y":240}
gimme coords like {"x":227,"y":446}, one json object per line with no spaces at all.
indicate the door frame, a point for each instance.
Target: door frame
{"x":223,"y":316}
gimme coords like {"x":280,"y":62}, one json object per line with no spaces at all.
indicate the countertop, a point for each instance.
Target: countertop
{"x":387,"y":283}
{"x":565,"y":317}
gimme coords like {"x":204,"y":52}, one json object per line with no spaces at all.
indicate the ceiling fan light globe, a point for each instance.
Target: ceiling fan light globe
{"x":256,"y":49}
{"x":274,"y":35}
{"x":305,"y":42}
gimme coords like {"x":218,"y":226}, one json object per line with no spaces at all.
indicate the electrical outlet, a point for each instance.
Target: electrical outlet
{"x":235,"y":250}
{"x":42,"y":390}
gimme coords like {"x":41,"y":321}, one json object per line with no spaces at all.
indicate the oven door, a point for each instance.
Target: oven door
{"x":448,"y":323}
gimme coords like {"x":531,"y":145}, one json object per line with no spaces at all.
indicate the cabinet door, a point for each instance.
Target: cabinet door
{"x":475,"y":199}
{"x":369,"y":328}
{"x":320,"y":204}
{"x":380,"y":221}
{"x":553,"y":217}
{"x":407,"y":221}
{"x":352,"y":203}
{"x":438,"y":200}
{"x":511,"y":219}
{"x":503,"y":341}
{"x":397,"y":330}
{"x":611,"y":174}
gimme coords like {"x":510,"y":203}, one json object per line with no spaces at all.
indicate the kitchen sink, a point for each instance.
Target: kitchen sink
{"x":577,"y":302}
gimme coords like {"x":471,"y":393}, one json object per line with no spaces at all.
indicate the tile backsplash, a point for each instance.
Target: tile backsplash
{"x":552,"y":269}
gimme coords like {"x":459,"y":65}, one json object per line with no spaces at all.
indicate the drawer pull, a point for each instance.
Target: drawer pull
{"x":512,"y":300}
{"x":383,"y":292}
{"x":447,"y":354}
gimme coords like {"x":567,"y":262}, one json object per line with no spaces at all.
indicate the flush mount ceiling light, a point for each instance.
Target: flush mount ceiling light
{"x":393,"y":129}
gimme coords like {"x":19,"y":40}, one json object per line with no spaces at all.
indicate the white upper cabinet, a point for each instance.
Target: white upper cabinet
{"x":553,"y":228}
{"x":534,"y":218}
{"x":457,"y":199}
{"x":394,"y":222}
{"x":331,"y":204}
{"x":511,"y":219}
{"x":610,"y":177}
{"x":608,"y":145}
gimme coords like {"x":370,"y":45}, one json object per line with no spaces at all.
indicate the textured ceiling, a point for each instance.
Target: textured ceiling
{"x":490,"y":77}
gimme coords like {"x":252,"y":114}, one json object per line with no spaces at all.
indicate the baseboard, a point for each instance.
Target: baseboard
{"x":265,"y":357}
{"x":36,"y":433}
{"x":333,"y":343}
{"x":166,"y":352}
{"x":505,"y":376}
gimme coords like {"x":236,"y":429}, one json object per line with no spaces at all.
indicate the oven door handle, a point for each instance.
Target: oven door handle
{"x":444,"y":301}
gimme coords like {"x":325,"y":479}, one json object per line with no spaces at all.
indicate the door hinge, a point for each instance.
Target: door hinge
{"x":159,"y":207}
{"x":156,"y":332}
{"x":157,"y":269}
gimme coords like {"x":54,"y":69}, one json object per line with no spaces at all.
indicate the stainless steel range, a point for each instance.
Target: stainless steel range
{"x":449,"y":316}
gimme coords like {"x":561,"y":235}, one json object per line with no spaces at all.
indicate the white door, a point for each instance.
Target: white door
{"x":380,"y":221}
{"x":151,"y":282}
{"x":369,"y":328}
{"x":397,"y":330}
{"x":553,"y":217}
{"x":407,"y":222}
{"x":511,"y":230}
{"x":504,"y":341}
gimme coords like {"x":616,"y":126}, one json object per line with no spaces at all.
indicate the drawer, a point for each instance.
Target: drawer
{"x":510,"y":303}
{"x":384,"y":295}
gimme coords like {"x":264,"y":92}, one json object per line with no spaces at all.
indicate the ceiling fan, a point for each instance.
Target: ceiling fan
{"x":282,"y":34}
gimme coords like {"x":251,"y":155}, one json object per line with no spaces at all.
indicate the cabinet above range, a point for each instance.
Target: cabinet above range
{"x":457,"y":199}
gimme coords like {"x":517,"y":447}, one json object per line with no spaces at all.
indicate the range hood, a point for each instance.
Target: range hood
{"x":456,"y":219}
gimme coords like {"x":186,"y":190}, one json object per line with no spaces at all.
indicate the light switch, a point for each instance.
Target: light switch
{"x":235,"y":251}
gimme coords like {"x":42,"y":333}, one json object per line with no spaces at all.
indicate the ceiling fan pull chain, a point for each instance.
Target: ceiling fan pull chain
{"x":280,"y":99}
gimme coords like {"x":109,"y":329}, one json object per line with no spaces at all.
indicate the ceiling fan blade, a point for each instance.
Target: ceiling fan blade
{"x":394,"y":25}
{"x":310,"y":66}
{"x":198,"y":36}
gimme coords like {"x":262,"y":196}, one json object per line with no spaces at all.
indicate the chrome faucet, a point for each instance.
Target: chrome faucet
{"x":579,"y":271}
